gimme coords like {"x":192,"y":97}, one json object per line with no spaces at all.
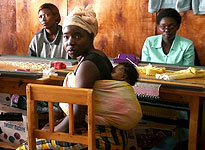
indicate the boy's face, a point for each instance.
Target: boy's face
{"x":118,"y":73}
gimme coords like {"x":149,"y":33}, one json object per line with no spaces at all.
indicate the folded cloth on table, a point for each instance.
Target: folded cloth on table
{"x":190,"y":72}
{"x":150,"y":70}
{"x":57,"y":65}
{"x":115,"y":104}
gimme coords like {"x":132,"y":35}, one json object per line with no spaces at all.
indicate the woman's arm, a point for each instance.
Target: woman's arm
{"x":31,"y":52}
{"x":86,"y":76}
{"x":189,"y":56}
{"x":145,"y":52}
{"x":32,"y":47}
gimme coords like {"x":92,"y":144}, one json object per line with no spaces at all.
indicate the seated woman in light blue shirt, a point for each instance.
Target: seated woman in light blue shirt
{"x":168,"y":47}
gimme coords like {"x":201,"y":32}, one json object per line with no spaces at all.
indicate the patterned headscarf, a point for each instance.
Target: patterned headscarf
{"x":84,"y":18}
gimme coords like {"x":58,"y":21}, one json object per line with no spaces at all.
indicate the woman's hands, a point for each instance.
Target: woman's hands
{"x":47,"y":127}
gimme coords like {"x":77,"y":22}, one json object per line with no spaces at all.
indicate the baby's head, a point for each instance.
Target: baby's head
{"x":125,"y":72}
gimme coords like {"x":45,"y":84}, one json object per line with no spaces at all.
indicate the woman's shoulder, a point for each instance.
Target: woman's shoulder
{"x":153,"y":41}
{"x":39,"y":34}
{"x":98,"y":58}
{"x":99,"y":52}
{"x":96,"y":54}
{"x":102,"y":62}
{"x":183,"y":39}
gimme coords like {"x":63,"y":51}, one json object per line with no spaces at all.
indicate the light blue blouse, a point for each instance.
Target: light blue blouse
{"x":181,"y":52}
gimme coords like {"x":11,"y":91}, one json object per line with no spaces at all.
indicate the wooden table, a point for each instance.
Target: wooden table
{"x":13,"y":85}
{"x":191,"y":91}
{"x":16,"y":83}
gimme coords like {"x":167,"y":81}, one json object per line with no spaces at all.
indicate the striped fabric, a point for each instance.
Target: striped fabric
{"x":107,"y":138}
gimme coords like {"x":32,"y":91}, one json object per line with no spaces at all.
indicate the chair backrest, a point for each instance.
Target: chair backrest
{"x":51,"y":94}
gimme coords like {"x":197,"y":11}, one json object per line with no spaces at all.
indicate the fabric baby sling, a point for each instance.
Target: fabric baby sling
{"x":115,"y":103}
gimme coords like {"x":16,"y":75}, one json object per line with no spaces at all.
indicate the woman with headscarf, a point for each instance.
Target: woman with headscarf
{"x":48,"y":42}
{"x":79,"y":30}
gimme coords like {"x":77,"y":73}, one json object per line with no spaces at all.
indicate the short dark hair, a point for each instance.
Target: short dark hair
{"x":131,"y":72}
{"x":169,"y":12}
{"x":53,"y":9}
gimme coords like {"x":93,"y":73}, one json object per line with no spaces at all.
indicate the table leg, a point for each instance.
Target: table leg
{"x":193,"y":123}
{"x":202,"y":137}
{"x":203,"y":118}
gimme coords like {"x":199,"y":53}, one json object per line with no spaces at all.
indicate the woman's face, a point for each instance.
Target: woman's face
{"x":47,"y":19}
{"x":76,"y":41}
{"x":168,"y":27}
